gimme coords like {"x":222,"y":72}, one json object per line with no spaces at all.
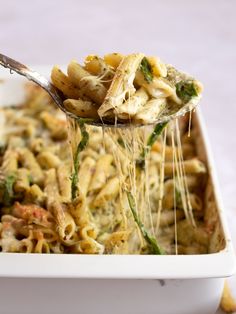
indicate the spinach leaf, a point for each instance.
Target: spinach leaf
{"x":80,"y":147}
{"x":146,"y":69}
{"x":120,"y":141}
{"x":186,"y":90}
{"x":151,"y":140}
{"x":178,"y":198}
{"x":7,"y":186}
{"x":2,"y":148}
{"x":151,"y":241}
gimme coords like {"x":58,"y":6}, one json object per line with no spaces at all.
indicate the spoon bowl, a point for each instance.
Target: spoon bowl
{"x":58,"y":97}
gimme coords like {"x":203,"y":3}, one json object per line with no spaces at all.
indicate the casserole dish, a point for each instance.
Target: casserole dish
{"x":191,"y":284}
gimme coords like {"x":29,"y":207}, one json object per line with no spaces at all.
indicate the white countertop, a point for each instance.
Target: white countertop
{"x":197,"y":36}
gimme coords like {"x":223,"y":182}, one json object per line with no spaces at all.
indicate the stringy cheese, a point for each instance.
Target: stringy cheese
{"x":126,"y":146}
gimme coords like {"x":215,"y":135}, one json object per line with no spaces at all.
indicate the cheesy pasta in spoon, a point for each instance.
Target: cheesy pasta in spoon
{"x":132,"y":89}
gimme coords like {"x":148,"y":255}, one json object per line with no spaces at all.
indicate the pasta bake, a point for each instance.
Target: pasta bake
{"x":117,"y":191}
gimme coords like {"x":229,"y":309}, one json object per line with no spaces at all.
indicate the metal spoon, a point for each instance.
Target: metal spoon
{"x":58,"y":97}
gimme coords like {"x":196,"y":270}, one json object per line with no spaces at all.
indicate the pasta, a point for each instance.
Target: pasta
{"x":119,"y":195}
{"x":228,"y":303}
{"x":126,"y":88}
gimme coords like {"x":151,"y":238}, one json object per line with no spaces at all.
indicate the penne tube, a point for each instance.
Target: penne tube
{"x":150,"y":111}
{"x":113,"y":59}
{"x":34,"y":194}
{"x":191,"y":166}
{"x":49,"y":235}
{"x":81,"y":108}
{"x":29,"y":161}
{"x":92,"y":64}
{"x":192,"y":182}
{"x":56,"y":126}
{"x":64,"y":84}
{"x":158,"y":67}
{"x":111,"y":148}
{"x":10,"y":162}
{"x":89,"y":153}
{"x":51,"y":188}
{"x":95,"y":142}
{"x":79,"y":210}
{"x":64,"y":182}
{"x":15,"y":141}
{"x":122,"y":83}
{"x":87,"y":83}
{"x":97,"y":66}
{"x":102,"y":171}
{"x":48,"y":160}
{"x":168,"y":217}
{"x":168,"y":201}
{"x":85,"y":174}
{"x":26,"y":246}
{"x":37,"y":145}
{"x":67,"y":229}
{"x":188,"y":150}
{"x":42,"y":247}
{"x":108,"y":192}
{"x":157,"y":88}
{"x":22,"y":182}
{"x":116,"y":239}
{"x":54,"y":205}
{"x":89,"y":245}
{"x":131,"y":106}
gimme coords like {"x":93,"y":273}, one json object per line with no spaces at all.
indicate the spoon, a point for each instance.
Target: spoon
{"x":58,"y":97}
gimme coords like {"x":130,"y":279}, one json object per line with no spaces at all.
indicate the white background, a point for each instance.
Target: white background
{"x":196,"y":36}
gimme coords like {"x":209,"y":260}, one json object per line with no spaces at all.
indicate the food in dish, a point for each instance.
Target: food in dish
{"x":38,"y":214}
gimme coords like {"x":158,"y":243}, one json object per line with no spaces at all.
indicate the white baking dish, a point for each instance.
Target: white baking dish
{"x":87,"y":284}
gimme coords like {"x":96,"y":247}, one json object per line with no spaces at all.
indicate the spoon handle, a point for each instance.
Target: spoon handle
{"x":34,"y":76}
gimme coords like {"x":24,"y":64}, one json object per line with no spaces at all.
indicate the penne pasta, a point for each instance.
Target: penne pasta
{"x":48,"y":160}
{"x":34,"y":194}
{"x":81,"y":108}
{"x":29,"y":161}
{"x":85,"y":174}
{"x":22,"y":183}
{"x":131,"y":106}
{"x":101,"y":172}
{"x":63,"y":176}
{"x":108,"y":192}
{"x":89,"y":85}
{"x":150,"y":110}
{"x":122,"y":83}
{"x":97,"y":66}
{"x":56,"y":126}
{"x":113,"y":59}
{"x":191,"y":166}
{"x":64,"y":84}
